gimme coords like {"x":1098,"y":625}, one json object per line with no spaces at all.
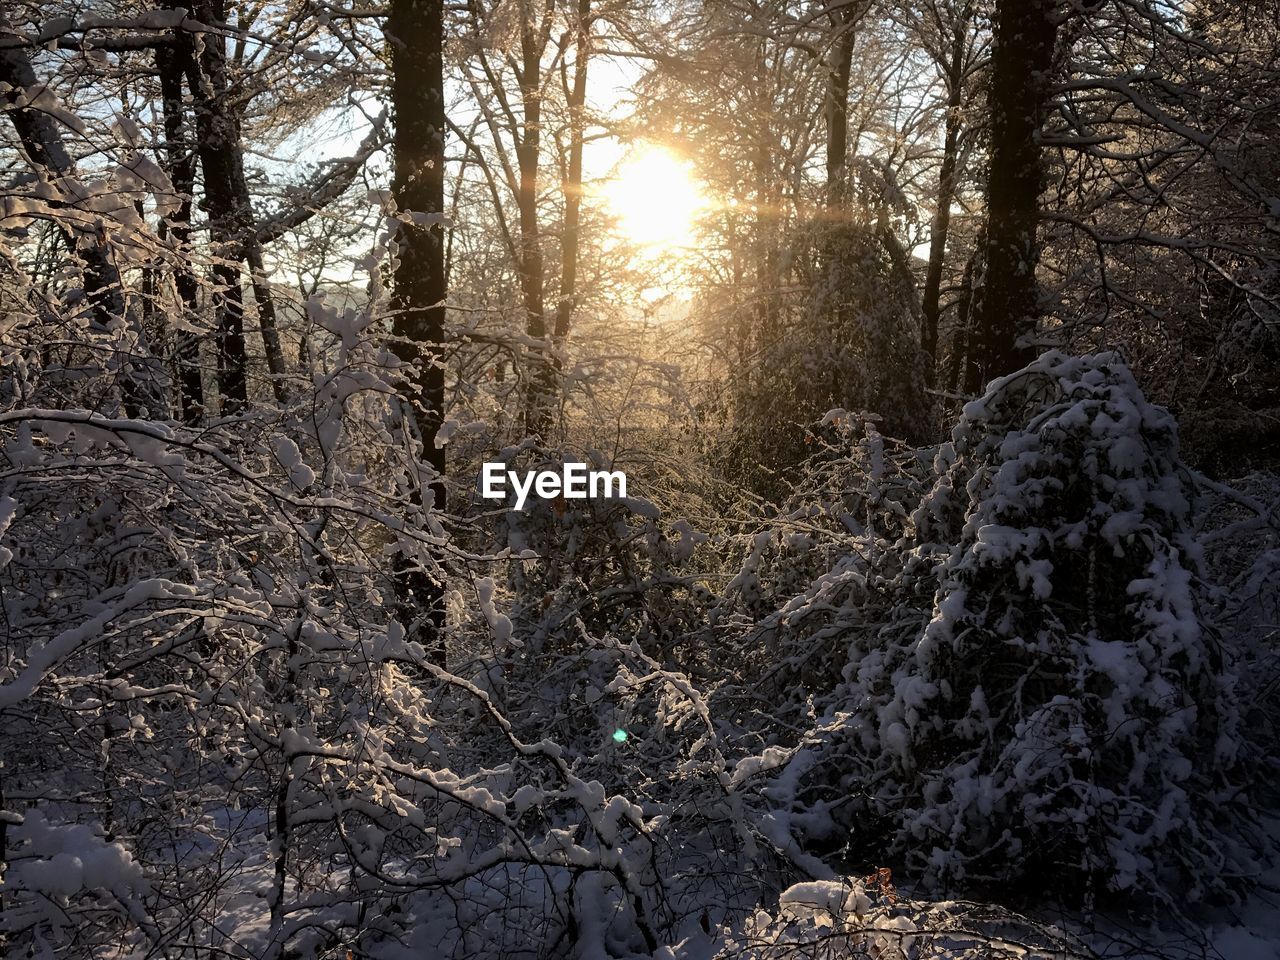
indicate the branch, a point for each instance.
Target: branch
{"x":326,"y":188}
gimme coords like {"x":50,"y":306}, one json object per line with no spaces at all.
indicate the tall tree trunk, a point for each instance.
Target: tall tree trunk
{"x":569,"y":243}
{"x":538,"y":409}
{"x":962,"y":359}
{"x":416,"y":36}
{"x":837,"y":107}
{"x":1022,"y":56}
{"x":271,"y":346}
{"x":218,"y":138}
{"x":767,"y":215}
{"x":945,"y":194}
{"x":180,"y":163}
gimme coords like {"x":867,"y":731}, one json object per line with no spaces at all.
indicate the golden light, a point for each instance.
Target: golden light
{"x":655,"y":199}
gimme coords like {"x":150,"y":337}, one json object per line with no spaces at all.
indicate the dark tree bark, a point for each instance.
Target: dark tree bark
{"x":962,"y":359}
{"x":837,"y":104}
{"x":954,"y":75}
{"x":1022,"y":55}
{"x":569,"y":243}
{"x":416,"y":37}
{"x":765,"y":242}
{"x":271,"y":345}
{"x":180,"y":163}
{"x":221,"y":160}
{"x":533,"y":44}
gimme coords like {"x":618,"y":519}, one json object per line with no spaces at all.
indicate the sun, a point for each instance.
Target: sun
{"x":655,"y":199}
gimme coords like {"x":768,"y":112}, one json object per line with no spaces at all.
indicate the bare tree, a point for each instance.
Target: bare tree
{"x":576,"y":98}
{"x":1021,"y":60}
{"x":949,"y":33}
{"x":415,"y":34}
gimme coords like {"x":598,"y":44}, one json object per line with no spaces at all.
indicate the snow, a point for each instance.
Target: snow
{"x":290,"y":458}
{"x":824,"y":897}
{"x":63,"y":859}
{"x":8,"y":510}
{"x":42,"y":659}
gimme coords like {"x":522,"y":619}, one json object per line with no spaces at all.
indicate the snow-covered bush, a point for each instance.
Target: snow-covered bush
{"x":216,"y":736}
{"x":207,"y":699}
{"x":1041,"y":701}
{"x":613,"y":563}
{"x":853,"y":919}
{"x":195,"y":643}
{"x":1239,"y":530}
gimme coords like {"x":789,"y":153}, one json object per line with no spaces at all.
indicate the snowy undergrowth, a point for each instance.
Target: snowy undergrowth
{"x":1030,"y":688}
{"x":217,"y":738}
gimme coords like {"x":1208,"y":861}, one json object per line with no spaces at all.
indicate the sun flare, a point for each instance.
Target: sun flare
{"x":655,"y":199}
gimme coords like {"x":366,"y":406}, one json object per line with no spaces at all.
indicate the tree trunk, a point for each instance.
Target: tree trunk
{"x":221,"y":159}
{"x":180,"y":163}
{"x":1022,"y":55}
{"x":945,"y":195}
{"x":765,"y":243}
{"x":837,"y":108}
{"x":528,"y":154}
{"x":962,"y":341}
{"x":569,"y":243}
{"x":267,"y":319}
{"x":416,"y":33}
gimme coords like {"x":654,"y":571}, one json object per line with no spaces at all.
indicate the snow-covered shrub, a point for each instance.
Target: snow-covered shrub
{"x":816,"y":563}
{"x":70,"y":882}
{"x":205,"y":684}
{"x":206,"y":695}
{"x":612,"y":564}
{"x":1239,"y":530}
{"x":853,"y":920}
{"x":1042,"y":700}
{"x":215,"y":736}
{"x":195,"y":644}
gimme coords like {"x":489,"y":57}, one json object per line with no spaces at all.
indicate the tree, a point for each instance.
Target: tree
{"x":1021,"y":61}
{"x":415,"y":34}
{"x":948,"y":32}
{"x":1158,"y":231}
{"x":570,"y":241}
{"x":180,"y":163}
